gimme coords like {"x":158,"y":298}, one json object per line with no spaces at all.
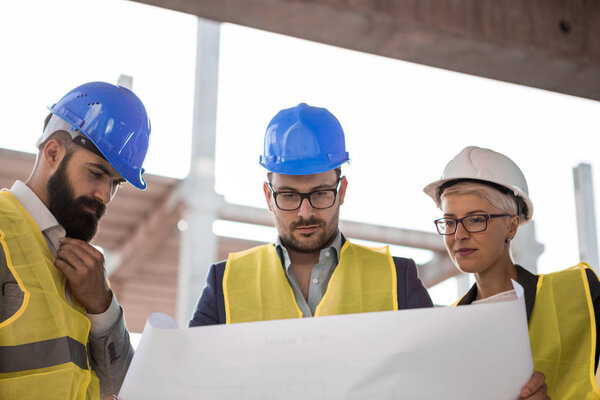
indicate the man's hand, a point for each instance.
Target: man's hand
{"x":536,"y":388}
{"x":83,"y":266}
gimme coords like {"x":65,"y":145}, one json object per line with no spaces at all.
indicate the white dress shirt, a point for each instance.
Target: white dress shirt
{"x":497,"y":298}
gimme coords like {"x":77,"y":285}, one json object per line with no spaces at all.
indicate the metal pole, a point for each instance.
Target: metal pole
{"x":198,"y":243}
{"x":525,"y":249}
{"x":586,"y":216}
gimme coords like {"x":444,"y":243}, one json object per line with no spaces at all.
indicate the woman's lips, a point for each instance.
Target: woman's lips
{"x":463,"y":252}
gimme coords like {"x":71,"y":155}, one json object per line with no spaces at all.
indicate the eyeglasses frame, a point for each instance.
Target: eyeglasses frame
{"x":460,"y":221}
{"x":306,"y":195}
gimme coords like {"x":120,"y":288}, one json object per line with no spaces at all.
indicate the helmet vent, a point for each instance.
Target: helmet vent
{"x":81,"y":95}
{"x":92,"y":104}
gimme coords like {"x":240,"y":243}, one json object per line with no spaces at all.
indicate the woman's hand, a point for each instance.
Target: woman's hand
{"x":536,"y":388}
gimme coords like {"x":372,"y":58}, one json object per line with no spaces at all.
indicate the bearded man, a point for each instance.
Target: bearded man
{"x":62,"y":331}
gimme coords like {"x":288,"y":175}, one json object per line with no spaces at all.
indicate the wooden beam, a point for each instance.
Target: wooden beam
{"x":437,"y":270}
{"x":150,"y":233}
{"x":546,"y":44}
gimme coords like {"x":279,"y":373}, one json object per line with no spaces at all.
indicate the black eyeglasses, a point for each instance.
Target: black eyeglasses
{"x":472,"y":223}
{"x":318,"y":199}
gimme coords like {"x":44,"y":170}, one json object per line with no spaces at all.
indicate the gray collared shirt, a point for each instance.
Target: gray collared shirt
{"x":319,"y":277}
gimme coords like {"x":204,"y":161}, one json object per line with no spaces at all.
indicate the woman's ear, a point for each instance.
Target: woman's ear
{"x":513,"y":227}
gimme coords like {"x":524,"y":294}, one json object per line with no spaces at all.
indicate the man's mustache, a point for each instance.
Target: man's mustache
{"x":94,"y":204}
{"x":306,"y":222}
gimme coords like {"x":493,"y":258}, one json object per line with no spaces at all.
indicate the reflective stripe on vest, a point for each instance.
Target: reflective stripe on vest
{"x":42,"y":346}
{"x":562,"y":332}
{"x":42,"y":354}
{"x":255,"y":287}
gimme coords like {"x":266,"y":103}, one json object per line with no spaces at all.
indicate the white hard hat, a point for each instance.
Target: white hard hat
{"x":475,"y":163}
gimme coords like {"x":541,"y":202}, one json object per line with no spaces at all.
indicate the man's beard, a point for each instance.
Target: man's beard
{"x":68,"y":210}
{"x":311,"y":244}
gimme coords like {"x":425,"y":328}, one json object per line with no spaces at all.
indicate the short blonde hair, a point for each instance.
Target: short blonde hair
{"x":505,"y":203}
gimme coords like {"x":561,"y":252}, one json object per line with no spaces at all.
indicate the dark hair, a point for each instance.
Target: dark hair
{"x":46,"y":121}
{"x":60,"y":136}
{"x":63,"y":137}
{"x":67,"y":140}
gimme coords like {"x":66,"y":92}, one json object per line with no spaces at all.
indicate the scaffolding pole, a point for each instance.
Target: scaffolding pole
{"x":586,"y":216}
{"x":198,"y":243}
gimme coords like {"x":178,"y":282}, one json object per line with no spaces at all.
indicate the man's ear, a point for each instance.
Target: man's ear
{"x":342,"y":191}
{"x":53,"y":154}
{"x":268,"y":195}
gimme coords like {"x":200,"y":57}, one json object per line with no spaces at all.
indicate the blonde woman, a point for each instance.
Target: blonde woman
{"x":484,"y":198}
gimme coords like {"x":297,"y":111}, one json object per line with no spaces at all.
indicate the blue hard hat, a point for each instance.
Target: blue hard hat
{"x":304,"y":140}
{"x":115,"y":120}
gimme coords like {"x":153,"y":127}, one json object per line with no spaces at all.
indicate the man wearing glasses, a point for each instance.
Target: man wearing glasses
{"x":311,"y":269}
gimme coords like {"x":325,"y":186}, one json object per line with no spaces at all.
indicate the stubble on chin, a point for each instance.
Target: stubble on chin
{"x":310,"y":243}
{"x":305,"y":245}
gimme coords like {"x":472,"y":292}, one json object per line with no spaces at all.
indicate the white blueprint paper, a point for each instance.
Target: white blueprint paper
{"x":474,"y":352}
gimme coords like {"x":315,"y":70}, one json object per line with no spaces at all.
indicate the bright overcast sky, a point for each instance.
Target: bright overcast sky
{"x":403,"y":121}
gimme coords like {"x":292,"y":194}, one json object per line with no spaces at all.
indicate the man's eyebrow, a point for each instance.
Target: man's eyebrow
{"x":312,"y":189}
{"x":285,"y":188}
{"x":325,"y":186}
{"x":105,"y":171}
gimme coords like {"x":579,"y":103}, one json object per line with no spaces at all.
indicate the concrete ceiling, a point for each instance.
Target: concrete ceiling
{"x":547,"y":44}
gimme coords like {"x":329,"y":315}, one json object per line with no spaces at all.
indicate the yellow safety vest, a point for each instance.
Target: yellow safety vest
{"x":255,"y":286}
{"x":562,"y":332}
{"x":43,"y":352}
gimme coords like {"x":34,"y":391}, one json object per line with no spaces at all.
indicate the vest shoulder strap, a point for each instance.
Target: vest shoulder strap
{"x":255,"y":287}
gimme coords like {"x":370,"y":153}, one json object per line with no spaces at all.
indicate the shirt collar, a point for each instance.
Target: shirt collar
{"x":35,"y":207}
{"x":524,"y":278}
{"x":335,"y":246}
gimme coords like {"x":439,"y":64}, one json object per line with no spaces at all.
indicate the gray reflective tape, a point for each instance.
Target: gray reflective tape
{"x":42,"y":354}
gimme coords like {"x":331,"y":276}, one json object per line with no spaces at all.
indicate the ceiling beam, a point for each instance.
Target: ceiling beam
{"x":437,"y":270}
{"x":546,"y":44}
{"x":356,"y":230}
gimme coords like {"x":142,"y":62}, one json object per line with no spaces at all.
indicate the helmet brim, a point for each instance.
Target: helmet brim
{"x":130,"y":174}
{"x":433,"y":191}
